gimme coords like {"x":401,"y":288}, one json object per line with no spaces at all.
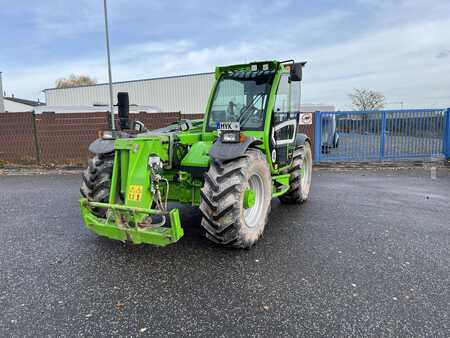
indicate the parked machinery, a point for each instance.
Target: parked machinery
{"x":246,"y":151}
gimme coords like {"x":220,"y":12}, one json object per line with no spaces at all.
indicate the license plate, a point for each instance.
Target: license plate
{"x":135,"y":192}
{"x":231,"y":126}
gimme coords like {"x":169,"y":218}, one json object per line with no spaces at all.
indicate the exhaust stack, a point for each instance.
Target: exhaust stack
{"x":123,"y":107}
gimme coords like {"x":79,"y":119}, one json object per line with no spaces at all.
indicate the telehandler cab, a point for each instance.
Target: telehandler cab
{"x":246,"y":151}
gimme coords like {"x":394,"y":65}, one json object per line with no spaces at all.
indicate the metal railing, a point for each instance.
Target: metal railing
{"x":382,"y":134}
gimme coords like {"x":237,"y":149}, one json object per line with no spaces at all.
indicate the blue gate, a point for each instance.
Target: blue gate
{"x":382,"y":135}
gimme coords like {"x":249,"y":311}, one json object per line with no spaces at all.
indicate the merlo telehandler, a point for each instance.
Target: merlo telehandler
{"x":246,"y":151}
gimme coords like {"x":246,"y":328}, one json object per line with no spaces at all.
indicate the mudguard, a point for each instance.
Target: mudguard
{"x":229,"y":151}
{"x":101,"y":146}
{"x":104,"y":146}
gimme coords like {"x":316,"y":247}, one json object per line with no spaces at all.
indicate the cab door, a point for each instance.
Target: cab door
{"x":286,"y":111}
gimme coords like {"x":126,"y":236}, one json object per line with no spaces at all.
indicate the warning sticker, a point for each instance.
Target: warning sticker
{"x":135,"y":192}
{"x":306,"y":118}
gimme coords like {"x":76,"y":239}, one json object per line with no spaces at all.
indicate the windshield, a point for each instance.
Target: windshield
{"x":240,"y":100}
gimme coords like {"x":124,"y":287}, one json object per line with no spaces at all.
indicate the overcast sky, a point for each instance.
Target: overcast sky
{"x":401,"y":48}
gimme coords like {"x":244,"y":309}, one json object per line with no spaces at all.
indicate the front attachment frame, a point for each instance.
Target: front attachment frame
{"x":114,"y":228}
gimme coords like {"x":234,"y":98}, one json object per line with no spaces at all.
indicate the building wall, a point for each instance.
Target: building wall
{"x":89,"y":109}
{"x":11,"y":106}
{"x":188,"y":94}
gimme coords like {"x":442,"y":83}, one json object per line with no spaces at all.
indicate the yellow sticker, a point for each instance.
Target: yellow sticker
{"x":135,"y":192}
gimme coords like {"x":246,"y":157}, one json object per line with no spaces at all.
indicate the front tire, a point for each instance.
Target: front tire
{"x":299,"y":184}
{"x":96,"y":182}
{"x":225,"y":219}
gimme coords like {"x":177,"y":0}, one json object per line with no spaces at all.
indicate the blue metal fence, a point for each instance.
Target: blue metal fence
{"x":382,"y":135}
{"x":447,"y":135}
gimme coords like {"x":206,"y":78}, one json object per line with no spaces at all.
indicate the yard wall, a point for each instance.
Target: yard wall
{"x":63,"y":139}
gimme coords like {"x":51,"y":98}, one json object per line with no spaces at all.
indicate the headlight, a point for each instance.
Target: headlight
{"x":155,"y":163}
{"x":230,"y":137}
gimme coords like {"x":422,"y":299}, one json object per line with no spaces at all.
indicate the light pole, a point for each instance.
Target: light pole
{"x":111,"y":105}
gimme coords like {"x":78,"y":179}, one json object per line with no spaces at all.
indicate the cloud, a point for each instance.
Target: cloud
{"x":399,"y":61}
{"x":443,"y":54}
{"x":404,"y":56}
{"x":56,"y":18}
{"x":151,"y":49}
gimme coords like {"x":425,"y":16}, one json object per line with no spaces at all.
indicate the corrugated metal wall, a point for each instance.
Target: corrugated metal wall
{"x":188,"y":93}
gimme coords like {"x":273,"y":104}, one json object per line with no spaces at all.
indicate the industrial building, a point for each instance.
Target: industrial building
{"x":187,"y":94}
{"x":17,"y":105}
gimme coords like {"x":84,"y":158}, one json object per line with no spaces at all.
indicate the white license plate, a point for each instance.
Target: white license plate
{"x":232,"y":126}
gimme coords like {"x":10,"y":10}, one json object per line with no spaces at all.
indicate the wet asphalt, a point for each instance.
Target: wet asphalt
{"x":368,"y":255}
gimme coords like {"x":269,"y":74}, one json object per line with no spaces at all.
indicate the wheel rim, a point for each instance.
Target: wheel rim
{"x":253,"y":214}
{"x":306,"y":177}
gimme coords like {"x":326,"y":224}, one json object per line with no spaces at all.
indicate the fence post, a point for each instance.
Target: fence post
{"x":317,"y":135}
{"x":35,"y":138}
{"x":446,"y":140}
{"x":382,"y":134}
{"x":108,"y":120}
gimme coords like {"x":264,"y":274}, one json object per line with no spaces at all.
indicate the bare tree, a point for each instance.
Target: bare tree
{"x":366,"y":99}
{"x":75,"y":80}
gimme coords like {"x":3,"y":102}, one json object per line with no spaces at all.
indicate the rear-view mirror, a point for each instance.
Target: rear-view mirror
{"x":296,"y":71}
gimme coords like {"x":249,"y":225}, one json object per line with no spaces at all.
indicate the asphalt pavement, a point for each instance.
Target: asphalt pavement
{"x":367,"y":255}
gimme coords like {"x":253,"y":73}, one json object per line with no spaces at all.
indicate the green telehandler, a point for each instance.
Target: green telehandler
{"x":246,"y":151}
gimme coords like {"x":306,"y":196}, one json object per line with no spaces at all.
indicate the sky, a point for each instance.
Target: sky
{"x":400,"y":48}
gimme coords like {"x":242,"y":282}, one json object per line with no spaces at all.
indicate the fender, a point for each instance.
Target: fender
{"x":106,"y":145}
{"x":101,"y":146}
{"x":230,"y":151}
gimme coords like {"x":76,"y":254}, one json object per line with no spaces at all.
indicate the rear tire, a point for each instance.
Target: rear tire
{"x":96,"y":182}
{"x":225,"y":219}
{"x":299,"y":186}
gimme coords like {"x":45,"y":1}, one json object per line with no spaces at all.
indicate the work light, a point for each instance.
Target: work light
{"x":108,"y":135}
